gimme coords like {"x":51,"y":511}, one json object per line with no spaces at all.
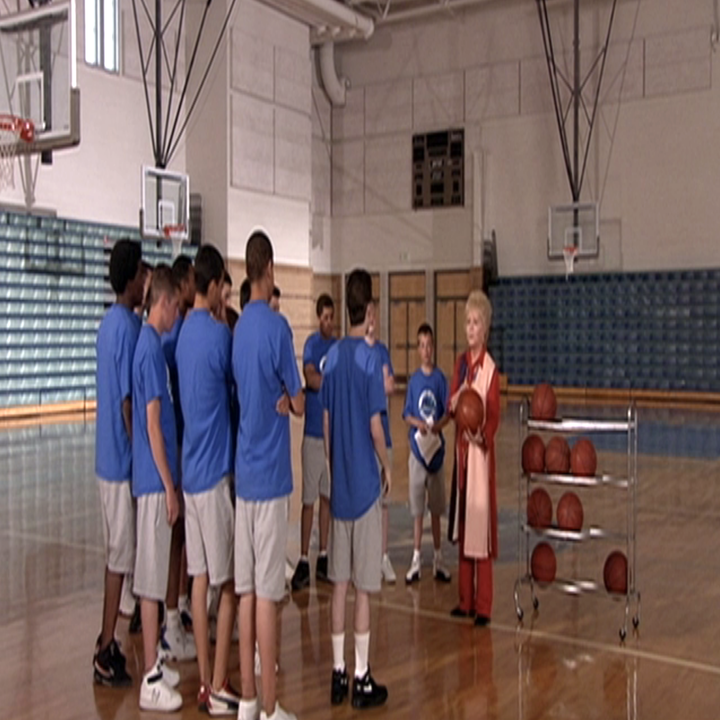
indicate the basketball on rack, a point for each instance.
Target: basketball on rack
{"x":544,"y":403}
{"x":543,"y":564}
{"x":557,"y":456}
{"x":539,"y":509}
{"x":469,"y":411}
{"x":583,"y":458}
{"x":533,"y":454}
{"x":570,"y":512}
{"x":615,"y":573}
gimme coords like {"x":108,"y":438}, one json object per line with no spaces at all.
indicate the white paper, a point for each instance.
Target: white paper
{"x":428,"y":444}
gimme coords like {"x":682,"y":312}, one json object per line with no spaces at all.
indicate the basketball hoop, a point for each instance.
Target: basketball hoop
{"x":176,"y":235}
{"x":569,"y":255}
{"x":12,"y":130}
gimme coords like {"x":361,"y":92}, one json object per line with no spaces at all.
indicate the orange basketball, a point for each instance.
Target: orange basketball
{"x":570,"y":512}
{"x":557,"y":456}
{"x":533,"y":454}
{"x":583,"y":459}
{"x":539,"y":509}
{"x":469,"y":411}
{"x":615,"y":573}
{"x":544,"y":404}
{"x":543,"y":563}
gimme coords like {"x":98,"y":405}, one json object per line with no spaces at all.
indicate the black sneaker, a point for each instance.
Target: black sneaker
{"x":321,"y":569}
{"x":301,"y":576}
{"x":367,"y":693}
{"x":109,"y":667}
{"x":340,"y":686}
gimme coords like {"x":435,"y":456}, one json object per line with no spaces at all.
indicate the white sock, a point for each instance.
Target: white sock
{"x":303,"y":558}
{"x":248,"y":709}
{"x":416,"y":555}
{"x":338,"y":643}
{"x":323,"y":553}
{"x":183,"y":603}
{"x":172,"y":619}
{"x":438,"y":555}
{"x":362,"y":647}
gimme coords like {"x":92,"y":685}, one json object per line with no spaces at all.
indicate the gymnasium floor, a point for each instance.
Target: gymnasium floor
{"x":564,"y":662}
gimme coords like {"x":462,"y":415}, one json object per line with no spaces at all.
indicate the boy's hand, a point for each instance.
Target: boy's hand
{"x":424,"y":428}
{"x":386,"y":481}
{"x":172,"y":505}
{"x":283,"y":405}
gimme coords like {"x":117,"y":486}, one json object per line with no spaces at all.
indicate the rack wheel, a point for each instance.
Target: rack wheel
{"x":636,"y":622}
{"x":536,"y":603}
{"x":623,"y":634}
{"x":520,"y":613}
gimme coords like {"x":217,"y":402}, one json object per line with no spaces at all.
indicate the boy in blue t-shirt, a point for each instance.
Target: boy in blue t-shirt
{"x":205,"y":379}
{"x":426,"y":412}
{"x":268,"y":386}
{"x":315,"y":480}
{"x":154,"y":479}
{"x":353,"y":397}
{"x":117,"y":337}
{"x":388,"y":572}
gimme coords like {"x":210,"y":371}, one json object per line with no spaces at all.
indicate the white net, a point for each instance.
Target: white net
{"x":176,"y":234}
{"x":10,"y":129}
{"x":569,"y":255}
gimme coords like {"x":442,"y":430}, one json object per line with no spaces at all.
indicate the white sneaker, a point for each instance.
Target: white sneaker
{"x":413,"y":574}
{"x":170,"y":677}
{"x":278,"y":714}
{"x":176,"y":644}
{"x":388,"y":574}
{"x":127,"y":599}
{"x":156,"y":694}
{"x":440,"y":572}
{"x":248,"y":710}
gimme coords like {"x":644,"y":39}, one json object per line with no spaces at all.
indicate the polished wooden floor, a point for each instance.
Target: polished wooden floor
{"x":566,"y":661}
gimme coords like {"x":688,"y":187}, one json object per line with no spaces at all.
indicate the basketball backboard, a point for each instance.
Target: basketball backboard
{"x":576,"y":225}
{"x":165,"y":204}
{"x":39,"y":81}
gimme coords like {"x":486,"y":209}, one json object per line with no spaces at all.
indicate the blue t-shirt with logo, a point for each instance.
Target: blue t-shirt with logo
{"x":264,"y":367}
{"x":204,"y":364}
{"x":315,"y":353}
{"x":169,"y":344}
{"x":116,"y":341}
{"x":384,"y":356}
{"x":352,"y":392}
{"x":426,"y":398}
{"x":151,"y":380}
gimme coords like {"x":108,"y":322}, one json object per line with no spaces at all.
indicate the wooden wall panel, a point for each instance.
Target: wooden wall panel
{"x":407,"y":285}
{"x":453,"y":284}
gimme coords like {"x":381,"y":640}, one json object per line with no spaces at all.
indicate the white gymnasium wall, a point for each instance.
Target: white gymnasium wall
{"x":484,"y":70}
{"x":270,"y":133}
{"x":100,"y":179}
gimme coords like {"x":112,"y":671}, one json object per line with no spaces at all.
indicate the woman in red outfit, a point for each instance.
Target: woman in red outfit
{"x":473,"y":507}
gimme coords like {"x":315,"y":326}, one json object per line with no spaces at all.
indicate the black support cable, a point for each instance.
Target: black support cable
{"x":145,"y":86}
{"x":173,"y":75}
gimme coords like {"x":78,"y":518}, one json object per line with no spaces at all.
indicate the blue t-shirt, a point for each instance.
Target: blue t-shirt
{"x":384,"y":357}
{"x":352,"y":392}
{"x":205,"y":375}
{"x":116,"y":341}
{"x":315,"y":353}
{"x":169,"y":343}
{"x":426,"y":398}
{"x":151,"y":380}
{"x":264,"y":367}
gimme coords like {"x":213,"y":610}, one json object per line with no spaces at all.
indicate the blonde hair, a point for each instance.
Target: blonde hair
{"x":478,"y":301}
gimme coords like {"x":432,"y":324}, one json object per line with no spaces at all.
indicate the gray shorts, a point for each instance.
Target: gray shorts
{"x":152,"y":559}
{"x":261,"y":529}
{"x":356,"y":550}
{"x":383,"y":497}
{"x":422,"y":481}
{"x":117,"y":513}
{"x":314,"y":470}
{"x":209,"y":532}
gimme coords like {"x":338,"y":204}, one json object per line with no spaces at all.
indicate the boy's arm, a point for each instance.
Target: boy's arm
{"x":378,"y":436}
{"x":313,"y":379}
{"x":127,"y":415}
{"x":157,"y":447}
{"x":388,"y":380}
{"x":421,"y":425}
{"x":441,"y":423}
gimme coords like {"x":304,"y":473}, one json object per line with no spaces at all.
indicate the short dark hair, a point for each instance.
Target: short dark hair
{"x":209,"y":266}
{"x":324,"y":301}
{"x":358,"y":295}
{"x":163,"y":283}
{"x":425,"y":329}
{"x":232,"y":317}
{"x":276,"y":292}
{"x":227,"y":279}
{"x":181,"y":268}
{"x":258,"y":255}
{"x":244,"y":293}
{"x":125,"y":257}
